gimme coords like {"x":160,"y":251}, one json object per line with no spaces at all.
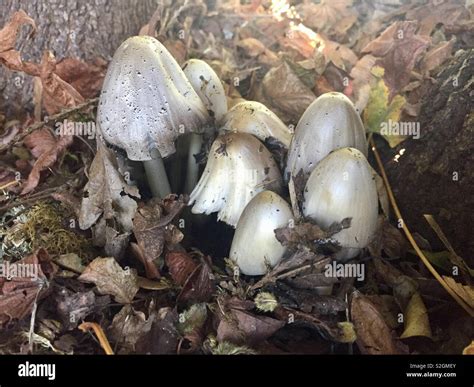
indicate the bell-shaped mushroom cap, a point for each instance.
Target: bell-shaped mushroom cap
{"x":255,"y":118}
{"x":147,"y":101}
{"x":330,"y":122}
{"x":238,"y":167}
{"x":342,"y":186}
{"x":255,"y":247}
{"x":208,"y":86}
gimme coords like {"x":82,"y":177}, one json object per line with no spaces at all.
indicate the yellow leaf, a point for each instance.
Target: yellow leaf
{"x":466,"y":292}
{"x":379,"y":111}
{"x":417,"y":322}
{"x":469,"y":350}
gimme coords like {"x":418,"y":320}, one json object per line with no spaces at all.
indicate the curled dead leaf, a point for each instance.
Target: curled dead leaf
{"x":111,"y":279}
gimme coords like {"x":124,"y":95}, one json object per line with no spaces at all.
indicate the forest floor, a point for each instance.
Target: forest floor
{"x":161,"y":287}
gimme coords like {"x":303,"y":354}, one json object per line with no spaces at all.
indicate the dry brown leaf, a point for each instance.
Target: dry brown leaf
{"x":466,"y":292}
{"x":431,"y":14}
{"x":180,"y":266}
{"x":283,"y":91}
{"x":18,"y":295}
{"x":200,"y":285}
{"x":107,"y":193}
{"x":85,"y":77}
{"x":374,"y":337}
{"x":111,"y":279}
{"x":326,"y":15}
{"x":251,"y":46}
{"x":399,"y":47}
{"x":437,"y":55}
{"x":57,"y":94}
{"x":243,"y":327}
{"x":153,"y":230}
{"x":128,"y":327}
{"x":47,"y":149}
{"x":8,"y":35}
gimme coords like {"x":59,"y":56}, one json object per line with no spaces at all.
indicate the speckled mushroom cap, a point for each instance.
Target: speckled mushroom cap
{"x":238,"y":168}
{"x":330,"y":122}
{"x":254,"y":246}
{"x":208,"y":86}
{"x":343,"y":186}
{"x":255,"y":118}
{"x":147,"y":101}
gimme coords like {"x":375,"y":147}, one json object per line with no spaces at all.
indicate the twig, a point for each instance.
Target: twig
{"x":104,"y":343}
{"x":38,"y":125}
{"x":410,"y":238}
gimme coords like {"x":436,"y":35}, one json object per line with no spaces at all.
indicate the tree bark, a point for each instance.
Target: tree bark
{"x":435,"y":175}
{"x":70,"y":28}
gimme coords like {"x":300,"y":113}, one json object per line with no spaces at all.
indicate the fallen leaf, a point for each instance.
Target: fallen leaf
{"x":20,"y":289}
{"x":437,"y":55}
{"x":111,"y":279}
{"x":403,"y":286}
{"x":85,"y":77}
{"x":399,"y":48}
{"x":387,"y":239}
{"x":153,"y":229}
{"x":242,"y":327}
{"x":325,"y":16}
{"x":180,"y":266}
{"x":47,"y":149}
{"x":380,"y":111}
{"x":251,"y":46}
{"x":388,"y":308}
{"x":163,"y":337}
{"x":107,"y":193}
{"x":431,"y":14}
{"x":362,"y":80}
{"x":128,"y":327}
{"x":70,"y":265}
{"x":466,"y":292}
{"x":8,"y":35}
{"x":374,"y":337}
{"x":200,"y":285}
{"x":416,"y":319}
{"x":57,"y":94}
{"x":469,"y":350}
{"x":283,"y":91}
{"x":73,"y":307}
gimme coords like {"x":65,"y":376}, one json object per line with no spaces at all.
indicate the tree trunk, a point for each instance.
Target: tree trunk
{"x":69,"y":28}
{"x":435,"y":175}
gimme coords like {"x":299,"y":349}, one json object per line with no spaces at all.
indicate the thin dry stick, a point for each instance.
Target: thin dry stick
{"x":410,"y":238}
{"x":38,"y":125}
{"x":104,"y":343}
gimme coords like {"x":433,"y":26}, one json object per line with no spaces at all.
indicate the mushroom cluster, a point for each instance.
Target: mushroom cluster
{"x":148,"y":101}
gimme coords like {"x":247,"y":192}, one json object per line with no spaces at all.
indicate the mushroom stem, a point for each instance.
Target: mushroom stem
{"x":192,"y":170}
{"x":156,"y":175}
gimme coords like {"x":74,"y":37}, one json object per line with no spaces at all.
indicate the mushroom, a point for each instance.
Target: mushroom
{"x":208,"y":87}
{"x":255,"y":118}
{"x":342,"y":186}
{"x":145,"y":104}
{"x":238,"y":167}
{"x":254,"y":247}
{"x":330,"y":122}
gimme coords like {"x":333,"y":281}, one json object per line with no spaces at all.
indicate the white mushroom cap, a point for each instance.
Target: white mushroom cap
{"x":208,"y":86}
{"x":330,"y":122}
{"x":342,"y":186}
{"x":255,"y":247}
{"x":147,"y":101}
{"x":255,"y":118}
{"x":238,"y":168}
